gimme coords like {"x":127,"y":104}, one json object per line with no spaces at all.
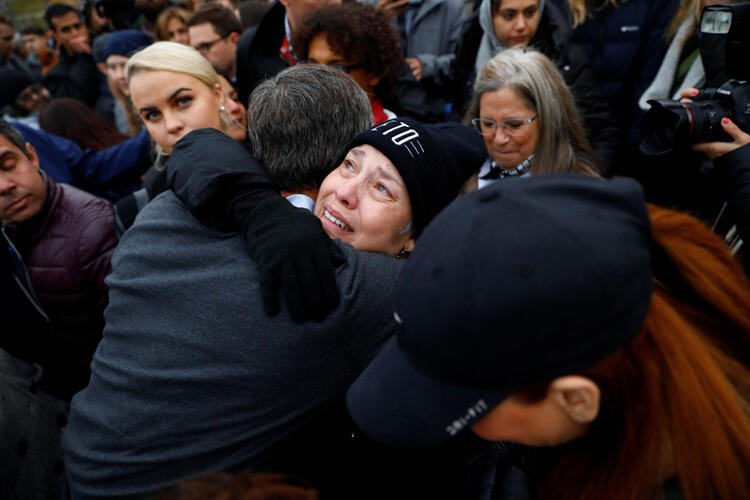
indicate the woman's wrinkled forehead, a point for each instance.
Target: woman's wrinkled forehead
{"x":370,"y":157}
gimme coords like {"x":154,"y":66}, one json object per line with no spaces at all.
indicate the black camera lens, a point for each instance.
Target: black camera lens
{"x":673,"y":124}
{"x":666,"y":124}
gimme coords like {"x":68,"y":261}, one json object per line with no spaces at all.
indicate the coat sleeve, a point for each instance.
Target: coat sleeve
{"x":78,"y":78}
{"x":212,"y":174}
{"x":604,"y":136}
{"x":89,"y":169}
{"x":733,"y":170}
{"x":440,"y":67}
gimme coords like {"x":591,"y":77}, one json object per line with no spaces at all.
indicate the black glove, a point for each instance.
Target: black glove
{"x":294,"y":257}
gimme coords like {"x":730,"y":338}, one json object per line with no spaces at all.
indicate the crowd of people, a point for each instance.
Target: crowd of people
{"x":369,"y":249}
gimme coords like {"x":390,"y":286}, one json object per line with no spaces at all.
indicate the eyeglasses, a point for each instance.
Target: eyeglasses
{"x":346,"y":68}
{"x":512,"y":126}
{"x":206,"y":46}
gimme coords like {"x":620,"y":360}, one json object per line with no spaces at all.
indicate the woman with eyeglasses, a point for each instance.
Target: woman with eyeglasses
{"x":528,"y":119}
{"x":534,"y":23}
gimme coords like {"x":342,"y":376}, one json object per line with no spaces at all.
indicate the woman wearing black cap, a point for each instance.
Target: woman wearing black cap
{"x":624,"y":374}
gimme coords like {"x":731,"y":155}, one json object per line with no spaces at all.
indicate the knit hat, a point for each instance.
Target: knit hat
{"x":97,"y":48}
{"x":126,"y":43}
{"x":518,"y":283}
{"x":12,"y":83}
{"x":433,"y":160}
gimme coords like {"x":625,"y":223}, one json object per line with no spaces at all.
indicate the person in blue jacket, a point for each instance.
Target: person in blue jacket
{"x":110,"y":173}
{"x":625,"y":42}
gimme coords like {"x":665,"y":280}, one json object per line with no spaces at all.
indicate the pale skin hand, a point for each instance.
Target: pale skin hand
{"x":716,"y":149}
{"x":416,"y":67}
{"x":81,"y":45}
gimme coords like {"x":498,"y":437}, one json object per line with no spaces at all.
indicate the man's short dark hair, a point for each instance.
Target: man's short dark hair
{"x":223,"y":20}
{"x":300,"y":121}
{"x":5,"y":20}
{"x":58,"y":10}
{"x":13,"y":136}
{"x":33,"y":29}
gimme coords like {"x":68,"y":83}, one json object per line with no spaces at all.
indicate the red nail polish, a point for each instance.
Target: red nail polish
{"x":725,"y":121}
{"x":696,"y":92}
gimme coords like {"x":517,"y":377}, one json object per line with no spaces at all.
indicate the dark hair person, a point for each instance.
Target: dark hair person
{"x":358,"y":39}
{"x":68,"y":117}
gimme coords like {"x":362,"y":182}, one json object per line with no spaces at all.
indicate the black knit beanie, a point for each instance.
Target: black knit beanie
{"x":12,"y":82}
{"x":434,"y":161}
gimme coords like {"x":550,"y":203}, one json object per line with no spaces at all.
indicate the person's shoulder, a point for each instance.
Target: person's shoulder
{"x":367,"y":273}
{"x":87,"y":222}
{"x":83,"y":207}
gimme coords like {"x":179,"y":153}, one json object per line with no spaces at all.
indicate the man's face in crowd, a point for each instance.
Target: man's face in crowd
{"x":34,"y":43}
{"x":71,"y":33}
{"x":6,"y":41}
{"x":33,"y":98}
{"x":220,"y":52}
{"x":22,"y":190}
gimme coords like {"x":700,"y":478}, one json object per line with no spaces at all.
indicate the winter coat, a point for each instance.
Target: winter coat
{"x":258,"y":55}
{"x":433,"y":38}
{"x":625,"y":46}
{"x":67,"y":249}
{"x":74,"y":76}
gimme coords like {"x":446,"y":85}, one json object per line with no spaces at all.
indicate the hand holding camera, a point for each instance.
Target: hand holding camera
{"x":719,"y":148}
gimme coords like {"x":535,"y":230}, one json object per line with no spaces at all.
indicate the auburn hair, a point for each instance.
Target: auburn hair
{"x":676,"y":399}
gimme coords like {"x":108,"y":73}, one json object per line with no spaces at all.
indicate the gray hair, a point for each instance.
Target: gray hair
{"x":300,"y":121}
{"x":562,"y":145}
{"x":13,"y":136}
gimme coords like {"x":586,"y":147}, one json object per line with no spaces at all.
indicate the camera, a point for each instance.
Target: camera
{"x":724,"y":41}
{"x":672,"y":124}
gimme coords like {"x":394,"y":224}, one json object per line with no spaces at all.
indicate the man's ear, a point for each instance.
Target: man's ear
{"x":234,"y":37}
{"x":220,"y":94}
{"x":579,"y":397}
{"x":32,"y":155}
{"x":102,"y":68}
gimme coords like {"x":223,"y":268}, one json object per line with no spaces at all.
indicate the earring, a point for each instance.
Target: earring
{"x":403,"y":254}
{"x":222,"y":108}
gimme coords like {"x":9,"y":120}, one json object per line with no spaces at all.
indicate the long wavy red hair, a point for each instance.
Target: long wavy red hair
{"x":676,"y":399}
